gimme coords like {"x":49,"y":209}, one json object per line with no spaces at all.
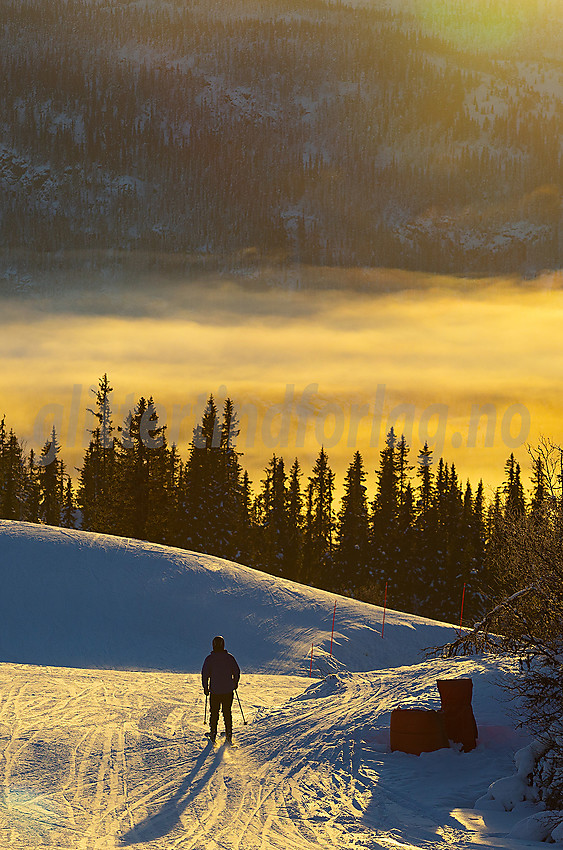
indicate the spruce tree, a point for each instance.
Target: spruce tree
{"x":490,"y":587}
{"x":68,"y":512}
{"x":3,"y":441}
{"x":295,"y":520}
{"x":97,"y":482}
{"x":309,"y":551}
{"x":230,"y":516}
{"x":514,"y":504}
{"x":141,"y":490}
{"x":445,"y":577}
{"x":319,"y":525}
{"x":211,"y":475}
{"x":384,"y":520}
{"x":407,"y":558}
{"x":425,"y":488}
{"x":474,"y":551}
{"x":352,"y":554}
{"x":50,"y":476}
{"x":246,"y":529}
{"x":130,"y":490}
{"x":32,"y":490}
{"x":174,"y":496}
{"x":159,"y":477}
{"x":403,"y":468}
{"x":425,"y":531}
{"x":12,"y":480}
{"x":479,"y":519}
{"x":405,"y":532}
{"x":271,"y":507}
{"x":457,"y":542}
{"x":436,"y":577}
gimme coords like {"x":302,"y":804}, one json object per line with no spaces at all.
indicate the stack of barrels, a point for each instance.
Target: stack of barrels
{"x":416,"y":731}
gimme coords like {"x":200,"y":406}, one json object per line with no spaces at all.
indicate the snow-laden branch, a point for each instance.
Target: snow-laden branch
{"x":479,"y":638}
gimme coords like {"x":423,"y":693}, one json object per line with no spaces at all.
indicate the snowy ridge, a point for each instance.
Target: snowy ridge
{"x":77,"y":599}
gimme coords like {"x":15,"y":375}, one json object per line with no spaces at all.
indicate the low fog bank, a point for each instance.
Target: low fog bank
{"x":138,"y":285}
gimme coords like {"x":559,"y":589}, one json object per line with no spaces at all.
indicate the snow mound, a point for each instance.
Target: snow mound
{"x":517,"y":791}
{"x":78,"y":599}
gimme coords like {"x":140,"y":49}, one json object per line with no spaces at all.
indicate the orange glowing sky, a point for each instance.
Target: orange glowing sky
{"x":330,"y":366}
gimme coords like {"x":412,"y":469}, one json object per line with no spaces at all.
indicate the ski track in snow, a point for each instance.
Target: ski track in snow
{"x":92,"y":760}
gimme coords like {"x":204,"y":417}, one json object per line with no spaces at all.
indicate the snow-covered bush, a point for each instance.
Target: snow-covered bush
{"x":529,"y":789}
{"x":511,"y":792}
{"x":548,"y":768}
{"x":541,"y":826}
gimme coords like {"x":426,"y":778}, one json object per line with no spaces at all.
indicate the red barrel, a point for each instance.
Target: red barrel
{"x":459,"y":721}
{"x":416,"y":731}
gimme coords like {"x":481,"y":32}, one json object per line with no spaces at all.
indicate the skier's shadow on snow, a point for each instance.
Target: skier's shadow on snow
{"x":162,"y":822}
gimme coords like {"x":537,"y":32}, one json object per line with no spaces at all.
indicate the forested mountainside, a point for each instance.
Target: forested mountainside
{"x":302,"y":130}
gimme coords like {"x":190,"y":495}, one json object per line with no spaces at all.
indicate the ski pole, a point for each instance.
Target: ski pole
{"x":205,"y":712}
{"x":240,"y":706}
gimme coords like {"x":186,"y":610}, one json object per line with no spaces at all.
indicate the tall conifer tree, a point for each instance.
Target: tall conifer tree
{"x":50,"y":478}
{"x":3,"y":441}
{"x":319,"y":525}
{"x":12,"y":478}
{"x":273,"y":519}
{"x":426,"y":531}
{"x":295,"y":521}
{"x":32,"y":493}
{"x":142,"y":475}
{"x":405,"y":533}
{"x":213,"y":484}
{"x":514,"y":504}
{"x":231,"y":510}
{"x":385,"y":509}
{"x":68,"y":509}
{"x":201,"y":481}
{"x":97,"y":483}
{"x":174,"y":496}
{"x":352,"y":555}
{"x":246,"y":531}
{"x":495,"y":538}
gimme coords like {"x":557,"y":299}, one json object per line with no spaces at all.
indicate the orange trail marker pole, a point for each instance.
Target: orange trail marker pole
{"x":384,"y":608}
{"x":461,"y":615}
{"x":332,"y":635}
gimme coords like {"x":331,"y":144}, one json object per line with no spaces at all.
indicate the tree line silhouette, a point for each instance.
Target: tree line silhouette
{"x":422,"y":532}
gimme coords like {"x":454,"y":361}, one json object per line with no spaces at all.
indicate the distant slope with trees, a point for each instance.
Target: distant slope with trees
{"x":307,"y":132}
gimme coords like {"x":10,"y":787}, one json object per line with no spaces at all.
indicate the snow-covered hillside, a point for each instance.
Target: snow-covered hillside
{"x":94,"y":759}
{"x":76,"y":599}
{"x":373,"y":132}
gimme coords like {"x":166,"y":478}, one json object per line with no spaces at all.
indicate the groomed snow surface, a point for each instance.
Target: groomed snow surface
{"x":102,"y":712}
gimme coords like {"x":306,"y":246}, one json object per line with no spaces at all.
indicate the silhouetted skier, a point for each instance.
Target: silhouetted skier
{"x":220,"y":677}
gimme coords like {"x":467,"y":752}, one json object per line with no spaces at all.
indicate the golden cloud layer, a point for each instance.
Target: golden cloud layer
{"x":344,"y":365}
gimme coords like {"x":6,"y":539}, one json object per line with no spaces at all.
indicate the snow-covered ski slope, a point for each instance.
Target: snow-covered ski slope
{"x":107,"y":758}
{"x":90,"y":600}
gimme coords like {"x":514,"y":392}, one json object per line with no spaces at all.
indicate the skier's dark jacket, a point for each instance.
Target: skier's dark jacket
{"x":220,"y":672}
